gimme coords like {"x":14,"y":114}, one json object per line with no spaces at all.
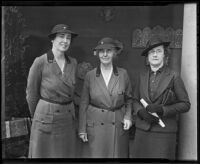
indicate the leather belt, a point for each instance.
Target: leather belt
{"x":55,"y":102}
{"x":109,"y":109}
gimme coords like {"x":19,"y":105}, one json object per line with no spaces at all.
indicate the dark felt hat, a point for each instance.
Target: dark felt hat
{"x":107,"y":43}
{"x":154,"y":41}
{"x":61,"y":28}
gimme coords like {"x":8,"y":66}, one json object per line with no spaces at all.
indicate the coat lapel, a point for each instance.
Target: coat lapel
{"x":103,"y":88}
{"x":163,"y":84}
{"x":113,"y":80}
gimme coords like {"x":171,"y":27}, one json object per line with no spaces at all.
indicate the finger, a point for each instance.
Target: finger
{"x":125,"y":125}
{"x":86,"y":139}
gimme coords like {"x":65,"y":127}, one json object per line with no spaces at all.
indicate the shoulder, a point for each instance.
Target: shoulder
{"x":40,"y":60}
{"x":73,"y":60}
{"x":121,"y":70}
{"x":91,"y":72}
{"x":172,"y":72}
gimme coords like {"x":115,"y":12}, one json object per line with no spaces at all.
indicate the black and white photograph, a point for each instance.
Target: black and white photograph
{"x":99,"y":82}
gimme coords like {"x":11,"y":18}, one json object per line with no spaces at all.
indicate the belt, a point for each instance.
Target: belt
{"x":109,"y":109}
{"x":55,"y":102}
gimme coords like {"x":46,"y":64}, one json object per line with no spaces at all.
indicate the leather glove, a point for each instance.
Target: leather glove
{"x":143,"y":114}
{"x":127,"y":124}
{"x":155,"y":108}
{"x":83,"y":136}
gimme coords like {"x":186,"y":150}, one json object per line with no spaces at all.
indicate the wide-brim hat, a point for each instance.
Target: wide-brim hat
{"x":154,"y":41}
{"x":61,"y":28}
{"x":108,"y":43}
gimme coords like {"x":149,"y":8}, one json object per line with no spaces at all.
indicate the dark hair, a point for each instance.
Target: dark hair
{"x":167,"y":51}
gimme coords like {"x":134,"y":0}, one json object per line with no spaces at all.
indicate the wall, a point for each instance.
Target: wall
{"x":86,"y":21}
{"x":188,"y":122}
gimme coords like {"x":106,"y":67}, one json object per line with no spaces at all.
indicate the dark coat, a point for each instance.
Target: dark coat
{"x":171,"y":93}
{"x":106,"y":137}
{"x":150,"y":138}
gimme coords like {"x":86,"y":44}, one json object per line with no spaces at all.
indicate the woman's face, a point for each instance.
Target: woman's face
{"x":106,"y":55}
{"x":156,"y":56}
{"x":62,"y":41}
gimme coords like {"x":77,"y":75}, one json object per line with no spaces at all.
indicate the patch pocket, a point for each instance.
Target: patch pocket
{"x":43,"y":122}
{"x":90,"y":127}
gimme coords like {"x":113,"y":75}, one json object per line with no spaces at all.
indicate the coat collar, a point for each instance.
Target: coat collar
{"x":50,"y":57}
{"x":98,"y":70}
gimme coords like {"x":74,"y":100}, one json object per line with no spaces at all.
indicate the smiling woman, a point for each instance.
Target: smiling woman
{"x":50,"y":92}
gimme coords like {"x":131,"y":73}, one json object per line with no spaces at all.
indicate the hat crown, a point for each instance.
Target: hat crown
{"x":154,"y":41}
{"x":107,"y":41}
{"x":60,"y":28}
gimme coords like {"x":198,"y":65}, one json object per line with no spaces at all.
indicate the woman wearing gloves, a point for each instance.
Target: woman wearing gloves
{"x":105,"y":107}
{"x":164,"y":91}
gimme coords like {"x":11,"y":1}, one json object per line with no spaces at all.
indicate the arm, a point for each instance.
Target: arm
{"x":85,"y":97}
{"x":33,"y":85}
{"x":136,"y":97}
{"x":182,"y":100}
{"x":128,"y":98}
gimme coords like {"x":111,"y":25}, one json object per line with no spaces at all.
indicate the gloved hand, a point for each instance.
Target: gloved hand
{"x":143,"y":114}
{"x":155,"y":108}
{"x":127,"y":124}
{"x":83,"y":136}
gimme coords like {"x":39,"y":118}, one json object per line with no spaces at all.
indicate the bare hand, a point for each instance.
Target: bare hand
{"x":127,"y":124}
{"x":83,"y":136}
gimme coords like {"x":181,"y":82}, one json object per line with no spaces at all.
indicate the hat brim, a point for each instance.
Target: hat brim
{"x":106,"y":46}
{"x":145,"y":52}
{"x":68,"y":31}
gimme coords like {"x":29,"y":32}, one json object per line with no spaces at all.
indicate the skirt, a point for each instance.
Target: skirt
{"x":53,"y":131}
{"x":149,"y":144}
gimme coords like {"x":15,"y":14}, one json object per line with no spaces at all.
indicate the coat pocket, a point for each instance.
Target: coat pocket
{"x":43,"y":122}
{"x":90,"y":127}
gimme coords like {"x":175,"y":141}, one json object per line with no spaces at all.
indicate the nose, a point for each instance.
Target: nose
{"x":105,"y":53}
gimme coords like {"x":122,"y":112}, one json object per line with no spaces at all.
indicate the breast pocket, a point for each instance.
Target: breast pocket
{"x":120,"y":96}
{"x":43,"y":122}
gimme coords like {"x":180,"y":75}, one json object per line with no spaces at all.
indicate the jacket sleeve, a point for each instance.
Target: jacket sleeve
{"x":136,"y":97}
{"x":33,"y":85}
{"x":84,"y":102}
{"x":128,"y":97}
{"x":182,"y":103}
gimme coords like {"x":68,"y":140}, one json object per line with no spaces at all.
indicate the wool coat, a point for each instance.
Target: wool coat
{"x":172,"y":95}
{"x":102,"y":111}
{"x":53,"y":133}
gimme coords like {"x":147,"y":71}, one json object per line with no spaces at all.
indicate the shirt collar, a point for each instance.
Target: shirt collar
{"x":160,"y":70}
{"x":50,"y":57}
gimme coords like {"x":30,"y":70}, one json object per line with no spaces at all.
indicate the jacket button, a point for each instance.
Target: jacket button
{"x":102,"y":110}
{"x":57,"y":111}
{"x":69,"y":110}
{"x":102,"y":123}
{"x":113,"y":123}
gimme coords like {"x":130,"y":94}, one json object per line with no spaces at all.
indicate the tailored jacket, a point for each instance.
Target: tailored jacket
{"x":171,"y":94}
{"x":102,"y":110}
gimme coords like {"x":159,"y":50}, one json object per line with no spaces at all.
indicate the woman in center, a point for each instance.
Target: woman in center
{"x":105,"y":107}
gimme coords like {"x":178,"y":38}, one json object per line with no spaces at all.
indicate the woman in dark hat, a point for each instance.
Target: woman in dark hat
{"x":164,"y":94}
{"x":105,"y":107}
{"x":50,"y":91}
